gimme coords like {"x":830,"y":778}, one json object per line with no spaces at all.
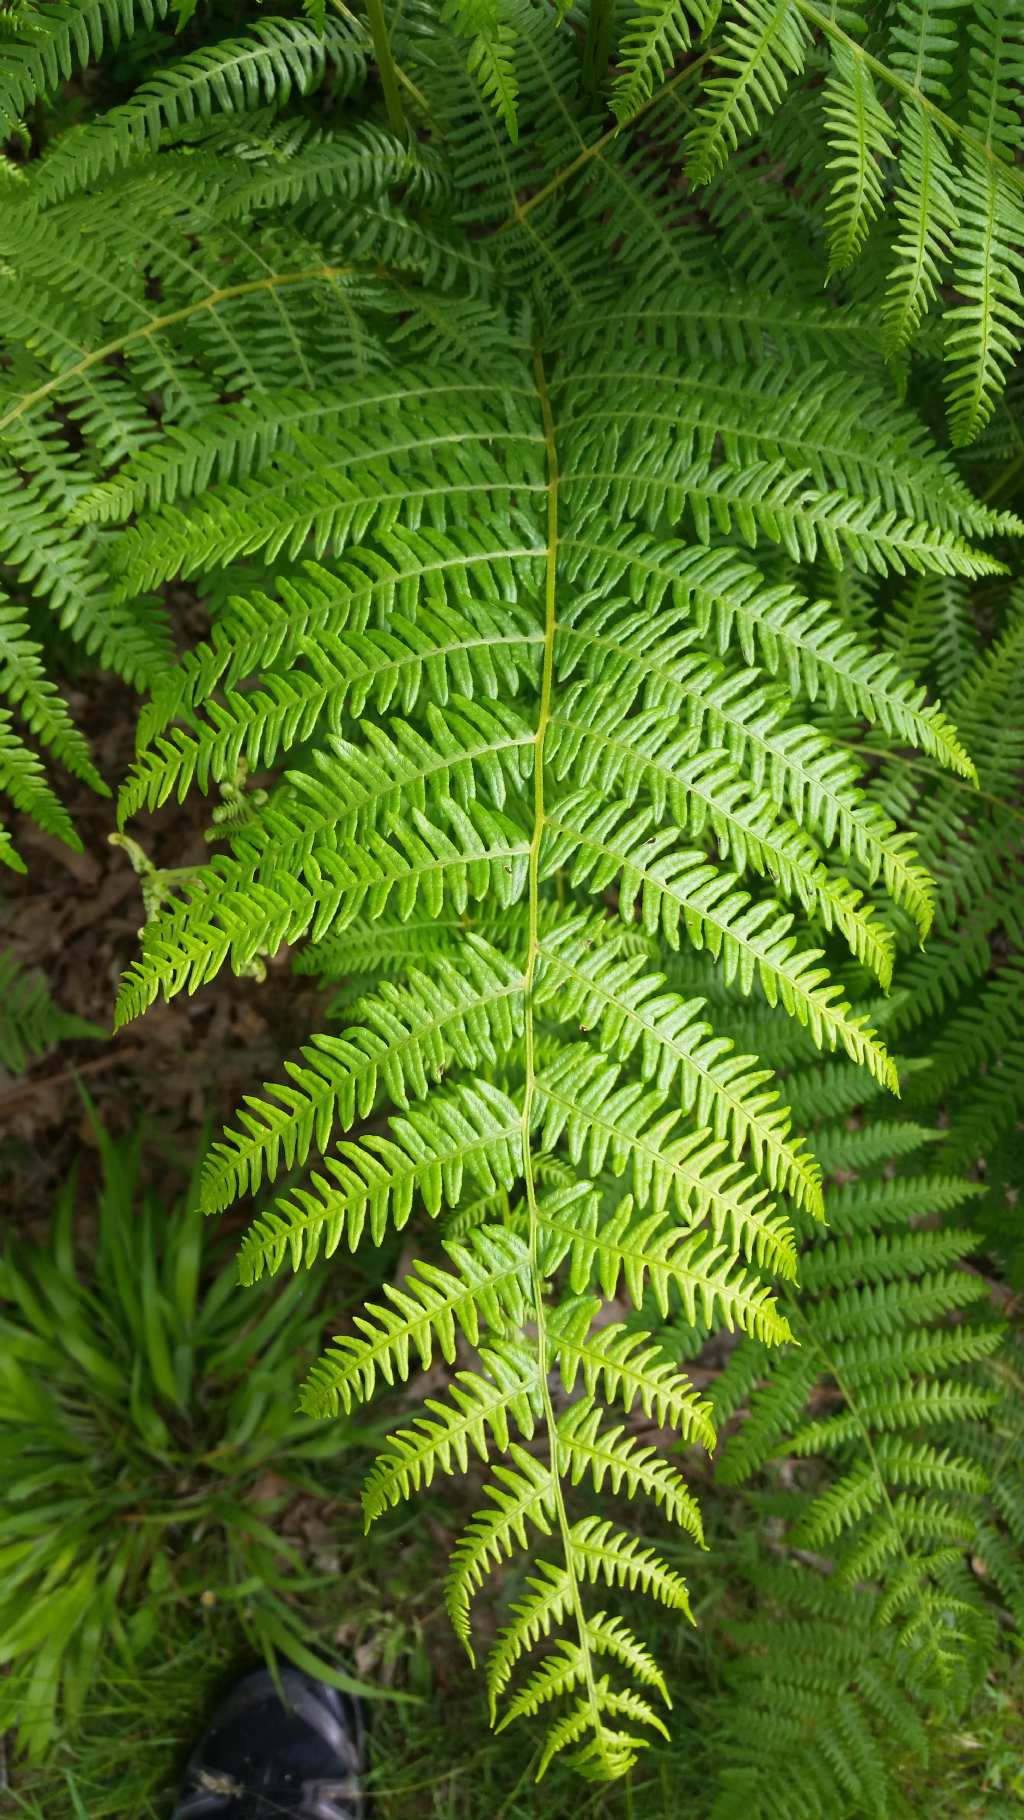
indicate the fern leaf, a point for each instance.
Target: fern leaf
{"x":653,"y":39}
{"x":479,"y":1407}
{"x":29,"y":1020}
{"x":752,"y":939}
{"x":620,"y":1362}
{"x":986,"y":330}
{"x":278,"y":58}
{"x":614,"y":1455}
{"x":589,"y":983}
{"x":926,"y":208}
{"x":486,"y":1285}
{"x":524,"y":1490}
{"x":409,"y":1037}
{"x":490,"y":55}
{"x":24,"y":683}
{"x":765,"y":44}
{"x":471,"y":1130}
{"x":858,"y":133}
{"x":668,"y":1257}
{"x":60,"y":38}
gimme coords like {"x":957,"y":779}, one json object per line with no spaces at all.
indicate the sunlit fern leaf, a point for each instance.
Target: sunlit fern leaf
{"x":610,"y":1122}
{"x":470,"y":1131}
{"x":9,"y":855}
{"x":591,"y":984}
{"x":566,"y":1665}
{"x":627,"y":1369}
{"x":486,"y":1285}
{"x":652,"y":1251}
{"x":557,"y":781}
{"x":480,"y":1409}
{"x":331,"y":490}
{"x":600,"y":1553}
{"x":802,"y":642}
{"x":410,"y":1035}
{"x":679,"y":890}
{"x":443,"y":646}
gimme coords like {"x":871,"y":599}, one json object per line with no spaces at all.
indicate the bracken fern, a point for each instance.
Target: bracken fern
{"x":547,"y":538}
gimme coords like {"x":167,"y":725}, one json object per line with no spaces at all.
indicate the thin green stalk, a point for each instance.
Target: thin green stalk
{"x":597,"y":47}
{"x":414,"y":93}
{"x":597,"y":146}
{"x":529,"y":1092}
{"x":386,"y":68}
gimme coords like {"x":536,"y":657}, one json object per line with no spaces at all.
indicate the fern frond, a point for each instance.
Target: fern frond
{"x":228,"y":916}
{"x":23,"y":779}
{"x":330,"y":490}
{"x":608,"y":1122}
{"x":30,"y":1021}
{"x":614,"y":1455}
{"x":654,"y":37}
{"x":23,"y":682}
{"x":858,"y":133}
{"x":474,"y":1131}
{"x":676,"y":887}
{"x":926,"y":209}
{"x":590,"y":984}
{"x":986,"y":329}
{"x":409,"y":1036}
{"x":490,"y":55}
{"x":766,"y":43}
{"x":524,"y":1490}
{"x":565,"y":1667}
{"x":487,"y":1284}
{"x":603,"y":1250}
{"x":557,"y":777}
{"x":279,"y":57}
{"x":60,"y":37}
{"x":626,"y":1369}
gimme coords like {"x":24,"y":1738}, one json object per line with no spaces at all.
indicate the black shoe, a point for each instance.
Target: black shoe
{"x":261,"y":1760}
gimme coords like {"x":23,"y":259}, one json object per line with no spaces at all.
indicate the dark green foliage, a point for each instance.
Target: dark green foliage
{"x":30,"y":1022}
{"x":631,"y":674}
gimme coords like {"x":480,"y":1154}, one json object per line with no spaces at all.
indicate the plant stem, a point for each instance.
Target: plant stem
{"x":406,"y":81}
{"x":386,"y":68}
{"x":530,"y":1086}
{"x":597,"y":47}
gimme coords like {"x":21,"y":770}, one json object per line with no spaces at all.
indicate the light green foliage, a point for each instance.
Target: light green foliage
{"x":624,"y":658}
